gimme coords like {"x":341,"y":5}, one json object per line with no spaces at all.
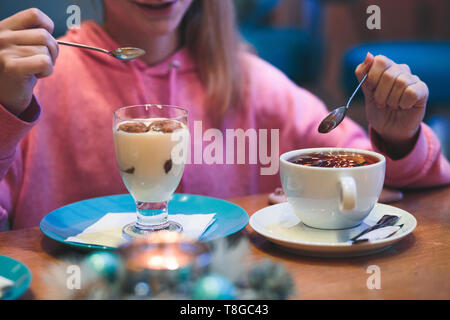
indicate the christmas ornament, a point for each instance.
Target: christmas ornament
{"x":214,"y":287}
{"x":167,"y":265}
{"x":104,"y":263}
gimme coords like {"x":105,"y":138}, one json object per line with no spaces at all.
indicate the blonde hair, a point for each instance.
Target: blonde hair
{"x":210,"y":33}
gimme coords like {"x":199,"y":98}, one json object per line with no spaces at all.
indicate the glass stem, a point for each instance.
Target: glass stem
{"x":152,"y":216}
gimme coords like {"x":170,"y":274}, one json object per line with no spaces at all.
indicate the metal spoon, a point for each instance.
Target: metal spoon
{"x":335,"y":117}
{"x":127,"y":53}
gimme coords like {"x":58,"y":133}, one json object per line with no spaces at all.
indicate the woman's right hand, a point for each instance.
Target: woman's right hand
{"x":27,"y":52}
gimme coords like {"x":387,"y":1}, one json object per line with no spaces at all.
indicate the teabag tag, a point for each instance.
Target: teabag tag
{"x":378,"y":234}
{"x":386,"y":220}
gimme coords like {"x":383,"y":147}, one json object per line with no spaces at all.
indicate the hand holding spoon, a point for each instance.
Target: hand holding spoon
{"x":127,"y":53}
{"x":336,"y":116}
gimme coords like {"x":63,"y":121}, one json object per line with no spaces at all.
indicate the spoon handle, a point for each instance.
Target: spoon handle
{"x":356,"y":90}
{"x":82,"y":46}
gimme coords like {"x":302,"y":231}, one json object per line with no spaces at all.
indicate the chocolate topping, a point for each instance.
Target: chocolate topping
{"x":166,"y":126}
{"x":134,"y":127}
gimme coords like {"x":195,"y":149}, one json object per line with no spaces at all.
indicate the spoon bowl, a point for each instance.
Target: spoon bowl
{"x":127,"y":53}
{"x":333,"y":119}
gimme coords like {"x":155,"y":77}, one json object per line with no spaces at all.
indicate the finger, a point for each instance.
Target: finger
{"x":380,"y":64}
{"x":414,"y":95}
{"x":386,"y":83}
{"x":361,"y":70}
{"x":28,"y":19}
{"x":401,"y":83}
{"x":38,"y":65}
{"x":364,"y":67}
{"x":28,"y":51}
{"x":38,"y":36}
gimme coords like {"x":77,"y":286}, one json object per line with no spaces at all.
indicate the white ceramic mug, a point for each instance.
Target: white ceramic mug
{"x":332,"y":198}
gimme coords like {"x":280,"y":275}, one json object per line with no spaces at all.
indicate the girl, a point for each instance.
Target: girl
{"x":195,"y":61}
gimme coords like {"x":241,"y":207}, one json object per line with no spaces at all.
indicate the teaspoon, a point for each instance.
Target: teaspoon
{"x":127,"y":53}
{"x":335,"y":117}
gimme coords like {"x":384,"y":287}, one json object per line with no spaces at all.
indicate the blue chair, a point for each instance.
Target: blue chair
{"x":254,"y":11}
{"x":295,"y":51}
{"x":427,"y":59}
{"x":56,"y":10}
{"x":441,"y":127}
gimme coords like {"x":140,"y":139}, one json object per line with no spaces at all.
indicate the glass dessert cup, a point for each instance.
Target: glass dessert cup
{"x":150,"y":142}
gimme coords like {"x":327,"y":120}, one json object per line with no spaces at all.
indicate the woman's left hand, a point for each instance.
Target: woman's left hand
{"x":395,"y":102}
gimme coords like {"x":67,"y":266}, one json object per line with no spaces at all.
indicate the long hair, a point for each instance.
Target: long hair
{"x":210,"y":34}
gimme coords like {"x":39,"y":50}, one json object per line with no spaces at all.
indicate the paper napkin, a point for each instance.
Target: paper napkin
{"x":108,"y":230}
{"x":5,"y":284}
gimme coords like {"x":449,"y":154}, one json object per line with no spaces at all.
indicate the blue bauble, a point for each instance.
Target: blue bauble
{"x":106,"y":264}
{"x":214,"y":287}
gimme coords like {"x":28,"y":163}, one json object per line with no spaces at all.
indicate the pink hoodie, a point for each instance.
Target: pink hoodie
{"x":69,"y":155}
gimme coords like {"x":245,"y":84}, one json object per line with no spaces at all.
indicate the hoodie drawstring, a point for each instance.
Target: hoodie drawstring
{"x":173,"y":69}
{"x":140,"y":89}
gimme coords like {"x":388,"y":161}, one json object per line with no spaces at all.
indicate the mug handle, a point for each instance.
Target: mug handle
{"x":347,"y":200}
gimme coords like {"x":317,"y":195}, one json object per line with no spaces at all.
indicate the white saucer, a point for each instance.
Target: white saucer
{"x":279,"y":224}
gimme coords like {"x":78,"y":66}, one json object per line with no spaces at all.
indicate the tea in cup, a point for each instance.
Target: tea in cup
{"x":332,"y":188}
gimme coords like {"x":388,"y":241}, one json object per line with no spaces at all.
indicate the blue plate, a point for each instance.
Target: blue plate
{"x":18,"y":273}
{"x":72,"y":219}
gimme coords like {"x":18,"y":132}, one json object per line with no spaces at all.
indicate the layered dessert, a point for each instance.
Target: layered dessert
{"x":151,"y":154}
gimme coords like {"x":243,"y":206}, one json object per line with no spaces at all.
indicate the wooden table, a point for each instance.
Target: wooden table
{"x":418,"y":267}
